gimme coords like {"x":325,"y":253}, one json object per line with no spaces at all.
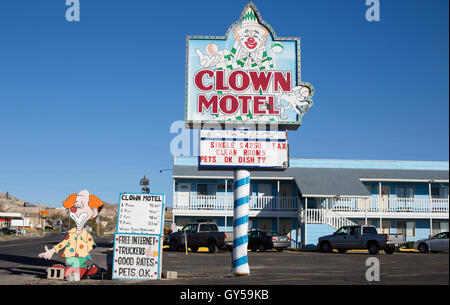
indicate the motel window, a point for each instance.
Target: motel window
{"x":406,"y":228}
{"x":439,"y":226}
{"x":439,"y":192}
{"x":410,"y":229}
{"x":206,"y":189}
{"x":404,"y":192}
{"x":401,"y":227}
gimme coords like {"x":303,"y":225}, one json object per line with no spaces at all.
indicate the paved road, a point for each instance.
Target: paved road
{"x":19,"y":264}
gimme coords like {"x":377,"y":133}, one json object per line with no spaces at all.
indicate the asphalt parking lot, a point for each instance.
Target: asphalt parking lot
{"x":296,"y":268}
{"x":301,"y":268}
{"x":19,"y":264}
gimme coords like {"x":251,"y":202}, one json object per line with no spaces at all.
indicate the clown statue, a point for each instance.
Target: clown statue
{"x":78,"y":243}
{"x":249,"y":52}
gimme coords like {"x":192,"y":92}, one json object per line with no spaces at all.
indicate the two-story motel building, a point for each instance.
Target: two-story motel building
{"x":315,"y":197}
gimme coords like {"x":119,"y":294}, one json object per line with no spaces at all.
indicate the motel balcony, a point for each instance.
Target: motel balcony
{"x":419,"y":207}
{"x":395,"y":207}
{"x":223,"y":205}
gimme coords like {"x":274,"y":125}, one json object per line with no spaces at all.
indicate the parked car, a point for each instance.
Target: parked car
{"x":262,"y":240}
{"x":8,"y":231}
{"x":360,"y":237}
{"x":437,"y":243}
{"x":197,"y":235}
{"x":229,"y":240}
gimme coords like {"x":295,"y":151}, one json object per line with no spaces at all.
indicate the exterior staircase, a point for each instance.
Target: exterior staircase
{"x":326,"y":216}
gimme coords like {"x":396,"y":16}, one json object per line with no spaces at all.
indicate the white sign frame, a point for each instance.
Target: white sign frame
{"x":118,"y":256}
{"x":120,"y":230}
{"x":234,"y":140}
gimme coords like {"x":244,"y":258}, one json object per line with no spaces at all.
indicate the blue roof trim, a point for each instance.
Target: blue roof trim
{"x":339,"y":163}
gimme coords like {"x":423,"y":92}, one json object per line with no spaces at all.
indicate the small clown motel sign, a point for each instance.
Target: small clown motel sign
{"x":244,"y":91}
{"x":138,"y":239}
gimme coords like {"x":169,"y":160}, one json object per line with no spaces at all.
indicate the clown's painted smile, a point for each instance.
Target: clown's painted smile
{"x":251,"y":43}
{"x":79,"y":219}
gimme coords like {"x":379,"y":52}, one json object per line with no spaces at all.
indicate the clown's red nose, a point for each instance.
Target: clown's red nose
{"x":251,"y":40}
{"x":73,"y":209}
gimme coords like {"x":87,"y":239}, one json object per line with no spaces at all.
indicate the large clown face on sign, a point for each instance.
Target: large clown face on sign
{"x":249,"y":76}
{"x":250,"y":35}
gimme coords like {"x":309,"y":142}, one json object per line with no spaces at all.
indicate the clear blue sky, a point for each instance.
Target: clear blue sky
{"x":89,"y":104}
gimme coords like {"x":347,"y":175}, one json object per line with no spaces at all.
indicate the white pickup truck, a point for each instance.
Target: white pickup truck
{"x":360,"y":237}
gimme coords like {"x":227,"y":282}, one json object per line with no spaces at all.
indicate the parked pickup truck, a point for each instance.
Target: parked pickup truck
{"x":360,"y":237}
{"x":200,"y":234}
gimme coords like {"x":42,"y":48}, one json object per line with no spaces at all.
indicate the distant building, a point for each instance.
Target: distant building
{"x":315,"y":197}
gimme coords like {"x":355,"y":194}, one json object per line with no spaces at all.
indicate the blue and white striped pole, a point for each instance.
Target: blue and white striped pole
{"x":241,"y":191}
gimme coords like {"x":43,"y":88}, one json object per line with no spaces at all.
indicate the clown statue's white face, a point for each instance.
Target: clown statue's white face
{"x":252,"y":40}
{"x":81,"y":212}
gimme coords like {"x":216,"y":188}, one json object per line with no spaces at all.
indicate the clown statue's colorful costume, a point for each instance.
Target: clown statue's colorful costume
{"x":78,"y":243}
{"x":77,"y":248}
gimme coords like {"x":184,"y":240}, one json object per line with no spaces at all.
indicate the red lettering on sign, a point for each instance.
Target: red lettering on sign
{"x":260,"y":80}
{"x":244,"y":99}
{"x":198,"y":80}
{"x":281,"y":81}
{"x":271,"y":107}
{"x":204,"y":102}
{"x":257,"y":102}
{"x":229,"y":100}
{"x":220,"y":82}
{"x":232,"y":80}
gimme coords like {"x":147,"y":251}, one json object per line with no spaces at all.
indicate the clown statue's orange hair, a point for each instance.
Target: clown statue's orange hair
{"x":94,"y":202}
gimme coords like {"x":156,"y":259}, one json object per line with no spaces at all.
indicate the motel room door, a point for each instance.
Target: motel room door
{"x":285,"y":196}
{"x":183,"y":195}
{"x":384,"y":200}
{"x":265,"y":201}
{"x":286,"y":227}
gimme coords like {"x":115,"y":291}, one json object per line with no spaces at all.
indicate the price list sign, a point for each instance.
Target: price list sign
{"x":138,"y":238}
{"x":140,"y":213}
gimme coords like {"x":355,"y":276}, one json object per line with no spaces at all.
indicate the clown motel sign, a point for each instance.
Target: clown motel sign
{"x":248,"y":76}
{"x":137,"y":256}
{"x":243,"y":149}
{"x":138,"y":238}
{"x":140,"y":213}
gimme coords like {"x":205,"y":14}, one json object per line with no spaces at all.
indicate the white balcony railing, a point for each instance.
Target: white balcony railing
{"x":389,"y":204}
{"x":226,"y":203}
{"x":343,"y":204}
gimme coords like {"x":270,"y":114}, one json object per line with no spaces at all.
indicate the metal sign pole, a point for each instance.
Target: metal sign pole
{"x":241,"y":192}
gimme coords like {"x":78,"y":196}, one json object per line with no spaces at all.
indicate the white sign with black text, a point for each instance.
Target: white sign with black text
{"x":138,"y":238}
{"x":140,"y":213}
{"x":136,"y":256}
{"x":245,"y":149}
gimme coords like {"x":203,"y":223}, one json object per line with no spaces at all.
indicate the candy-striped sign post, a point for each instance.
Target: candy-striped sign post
{"x":241,"y":191}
